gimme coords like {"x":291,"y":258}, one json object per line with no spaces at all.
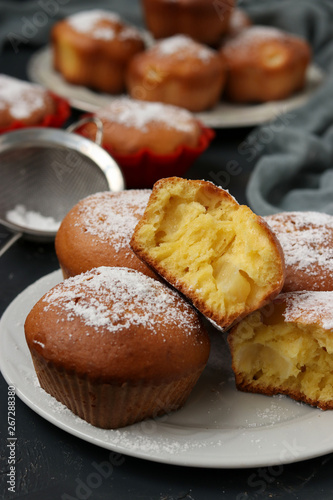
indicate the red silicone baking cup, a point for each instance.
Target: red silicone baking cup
{"x":57,"y":119}
{"x":143,"y":168}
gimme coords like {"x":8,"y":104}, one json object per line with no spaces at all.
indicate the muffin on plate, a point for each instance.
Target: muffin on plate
{"x":116,"y":346}
{"x":264,"y":64}
{"x":179,"y":71}
{"x":286,"y":348}
{"x":93,"y":48}
{"x":219,"y":254}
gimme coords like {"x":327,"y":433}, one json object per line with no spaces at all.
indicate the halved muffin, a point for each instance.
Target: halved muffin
{"x":219,"y":254}
{"x":287,"y":348}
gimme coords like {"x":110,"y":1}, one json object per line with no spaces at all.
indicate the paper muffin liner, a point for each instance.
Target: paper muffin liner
{"x":56,"y":120}
{"x":143,"y":168}
{"x":112,"y":406}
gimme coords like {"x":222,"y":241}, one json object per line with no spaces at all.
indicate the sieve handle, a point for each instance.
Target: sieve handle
{"x":89,"y":119}
{"x":9,"y":243}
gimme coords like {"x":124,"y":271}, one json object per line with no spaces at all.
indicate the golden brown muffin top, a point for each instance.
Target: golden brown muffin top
{"x":102,"y":25}
{"x":131,"y":125}
{"x":181,"y":47}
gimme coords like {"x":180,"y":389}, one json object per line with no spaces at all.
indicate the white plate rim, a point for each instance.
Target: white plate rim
{"x":160,"y":440}
{"x":224,"y":115}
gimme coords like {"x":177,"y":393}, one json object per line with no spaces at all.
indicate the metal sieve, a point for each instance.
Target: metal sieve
{"x":47,"y":171}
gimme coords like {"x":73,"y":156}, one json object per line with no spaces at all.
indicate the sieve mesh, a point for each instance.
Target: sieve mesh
{"x":49,"y":180}
{"x":48,"y":171}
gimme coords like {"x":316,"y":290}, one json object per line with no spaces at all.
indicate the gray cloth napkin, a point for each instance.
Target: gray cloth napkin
{"x":294,"y":153}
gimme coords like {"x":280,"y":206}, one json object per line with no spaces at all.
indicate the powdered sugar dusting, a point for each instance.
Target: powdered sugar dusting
{"x":180,"y":46}
{"x":246,"y":39}
{"x":30,"y":219}
{"x":313,"y":307}
{"x":259,"y":33}
{"x":21,"y":98}
{"x":93,"y":22}
{"x":306,"y":239}
{"x":141,"y":114}
{"x":120,"y":298}
{"x":112,"y":217}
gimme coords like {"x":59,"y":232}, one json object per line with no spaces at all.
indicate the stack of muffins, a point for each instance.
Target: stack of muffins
{"x":202,"y":51}
{"x":122,"y":338}
{"x":116,"y":344}
{"x":113,"y":341}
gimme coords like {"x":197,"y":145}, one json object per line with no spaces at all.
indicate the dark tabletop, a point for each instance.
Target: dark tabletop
{"x":52,"y":464}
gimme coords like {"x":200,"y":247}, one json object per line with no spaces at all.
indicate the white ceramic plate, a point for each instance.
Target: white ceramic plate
{"x":218,"y":427}
{"x":40,"y":70}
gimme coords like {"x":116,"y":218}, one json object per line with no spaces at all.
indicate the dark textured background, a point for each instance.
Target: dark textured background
{"x":50,"y":462}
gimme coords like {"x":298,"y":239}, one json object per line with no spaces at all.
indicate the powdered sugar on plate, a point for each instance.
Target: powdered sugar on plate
{"x":118,"y":298}
{"x":306,"y":239}
{"x":112,"y":217}
{"x":141,"y":114}
{"x":19,"y":97}
{"x":313,"y":307}
{"x":99,"y":24}
{"x":180,"y":46}
{"x":144,"y":437}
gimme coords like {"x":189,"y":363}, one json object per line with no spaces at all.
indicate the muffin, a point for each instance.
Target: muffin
{"x":179,"y":71}
{"x":264,"y":64}
{"x":287,"y":348}
{"x":93,"y":48}
{"x":116,"y":346}
{"x":219,"y":254}
{"x":307,"y":243}
{"x":202,"y":20}
{"x":97,"y":230}
{"x":150,"y":140}
{"x":24,"y":104}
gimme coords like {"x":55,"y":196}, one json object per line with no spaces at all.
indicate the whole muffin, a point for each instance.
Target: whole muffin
{"x":93,"y":48}
{"x":178,"y":71}
{"x":150,"y":140}
{"x":264,"y":64}
{"x":130,"y":125}
{"x":202,"y":20}
{"x":97,"y":230}
{"x":116,"y":346}
{"x":25,"y":104}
